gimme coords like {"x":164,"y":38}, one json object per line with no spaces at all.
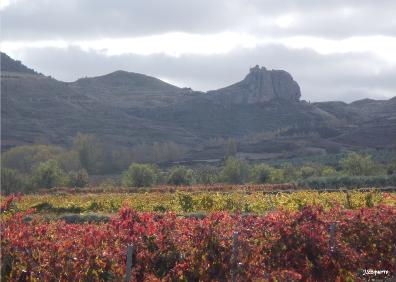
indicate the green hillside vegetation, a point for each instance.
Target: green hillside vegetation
{"x":30,"y":168}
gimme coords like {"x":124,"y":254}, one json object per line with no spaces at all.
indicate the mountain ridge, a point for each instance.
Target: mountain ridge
{"x":5,"y":68}
{"x":126,"y":109}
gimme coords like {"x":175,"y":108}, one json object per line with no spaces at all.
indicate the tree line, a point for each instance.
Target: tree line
{"x":354,"y":169}
{"x":29,"y":168}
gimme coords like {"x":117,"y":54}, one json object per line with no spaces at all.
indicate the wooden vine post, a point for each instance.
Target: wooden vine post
{"x":234,"y":258}
{"x":129,"y":263}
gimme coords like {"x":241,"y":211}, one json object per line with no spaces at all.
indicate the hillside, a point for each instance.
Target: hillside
{"x":14,"y":66}
{"x":263,"y":113}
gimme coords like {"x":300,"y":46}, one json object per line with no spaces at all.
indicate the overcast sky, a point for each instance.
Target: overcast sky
{"x":336,"y":50}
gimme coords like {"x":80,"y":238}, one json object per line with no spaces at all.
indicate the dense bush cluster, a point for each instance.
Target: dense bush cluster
{"x":31,"y":167}
{"x":348,"y":181}
{"x":353,"y":170}
{"x":280,"y":246}
{"x":140,"y":175}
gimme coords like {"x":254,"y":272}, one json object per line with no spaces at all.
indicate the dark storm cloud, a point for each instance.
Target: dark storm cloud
{"x":344,"y":77}
{"x":76,"y":19}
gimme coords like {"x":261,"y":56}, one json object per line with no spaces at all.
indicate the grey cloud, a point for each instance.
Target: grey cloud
{"x":344,"y":77}
{"x":76,"y":19}
{"x":116,"y":18}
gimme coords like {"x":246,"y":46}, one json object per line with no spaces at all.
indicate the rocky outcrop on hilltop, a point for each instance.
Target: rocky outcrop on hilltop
{"x":261,"y":85}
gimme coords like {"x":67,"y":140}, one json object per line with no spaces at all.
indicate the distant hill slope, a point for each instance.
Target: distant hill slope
{"x":374,"y":122}
{"x":126,"y":89}
{"x":10,"y":65}
{"x":263,"y":112}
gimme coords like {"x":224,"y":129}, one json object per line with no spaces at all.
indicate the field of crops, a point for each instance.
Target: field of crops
{"x":199,"y":235}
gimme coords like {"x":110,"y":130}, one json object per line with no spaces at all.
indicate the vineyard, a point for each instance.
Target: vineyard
{"x":243,"y":198}
{"x":199,"y":234}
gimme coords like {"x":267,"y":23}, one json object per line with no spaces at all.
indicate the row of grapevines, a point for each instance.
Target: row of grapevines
{"x":254,"y":202}
{"x":280,"y":246}
{"x":216,"y":187}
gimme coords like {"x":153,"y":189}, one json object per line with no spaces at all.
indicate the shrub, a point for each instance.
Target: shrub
{"x":180,"y":175}
{"x":48,"y":175}
{"x":206,"y":175}
{"x":79,"y":179}
{"x":25,"y":158}
{"x":235,"y":171}
{"x":327,"y":171}
{"x":159,"y":208}
{"x":69,"y":161}
{"x":391,"y":168}
{"x":207,"y":202}
{"x":348,"y":181}
{"x":307,"y":171}
{"x":109,"y":183}
{"x":186,"y":202}
{"x":11,"y":181}
{"x":84,"y":218}
{"x":290,"y":172}
{"x":140,"y":175}
{"x":261,"y":173}
{"x":277,"y":175}
{"x":355,"y":164}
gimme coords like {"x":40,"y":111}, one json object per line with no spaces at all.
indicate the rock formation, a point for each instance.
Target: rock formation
{"x":262,"y":85}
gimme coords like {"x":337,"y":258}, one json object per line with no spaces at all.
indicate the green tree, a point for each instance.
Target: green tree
{"x":391,"y":167}
{"x":327,"y":171}
{"x":357,"y":164}
{"x":69,"y":161}
{"x":180,"y":175}
{"x":48,"y":175}
{"x":290,"y":172}
{"x":168,"y":151}
{"x":235,"y":171}
{"x":11,"y":181}
{"x":25,"y":158}
{"x":277,"y":175}
{"x":231,"y":148}
{"x":307,"y":171}
{"x":261,"y":173}
{"x":90,"y":152}
{"x":140,"y":175}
